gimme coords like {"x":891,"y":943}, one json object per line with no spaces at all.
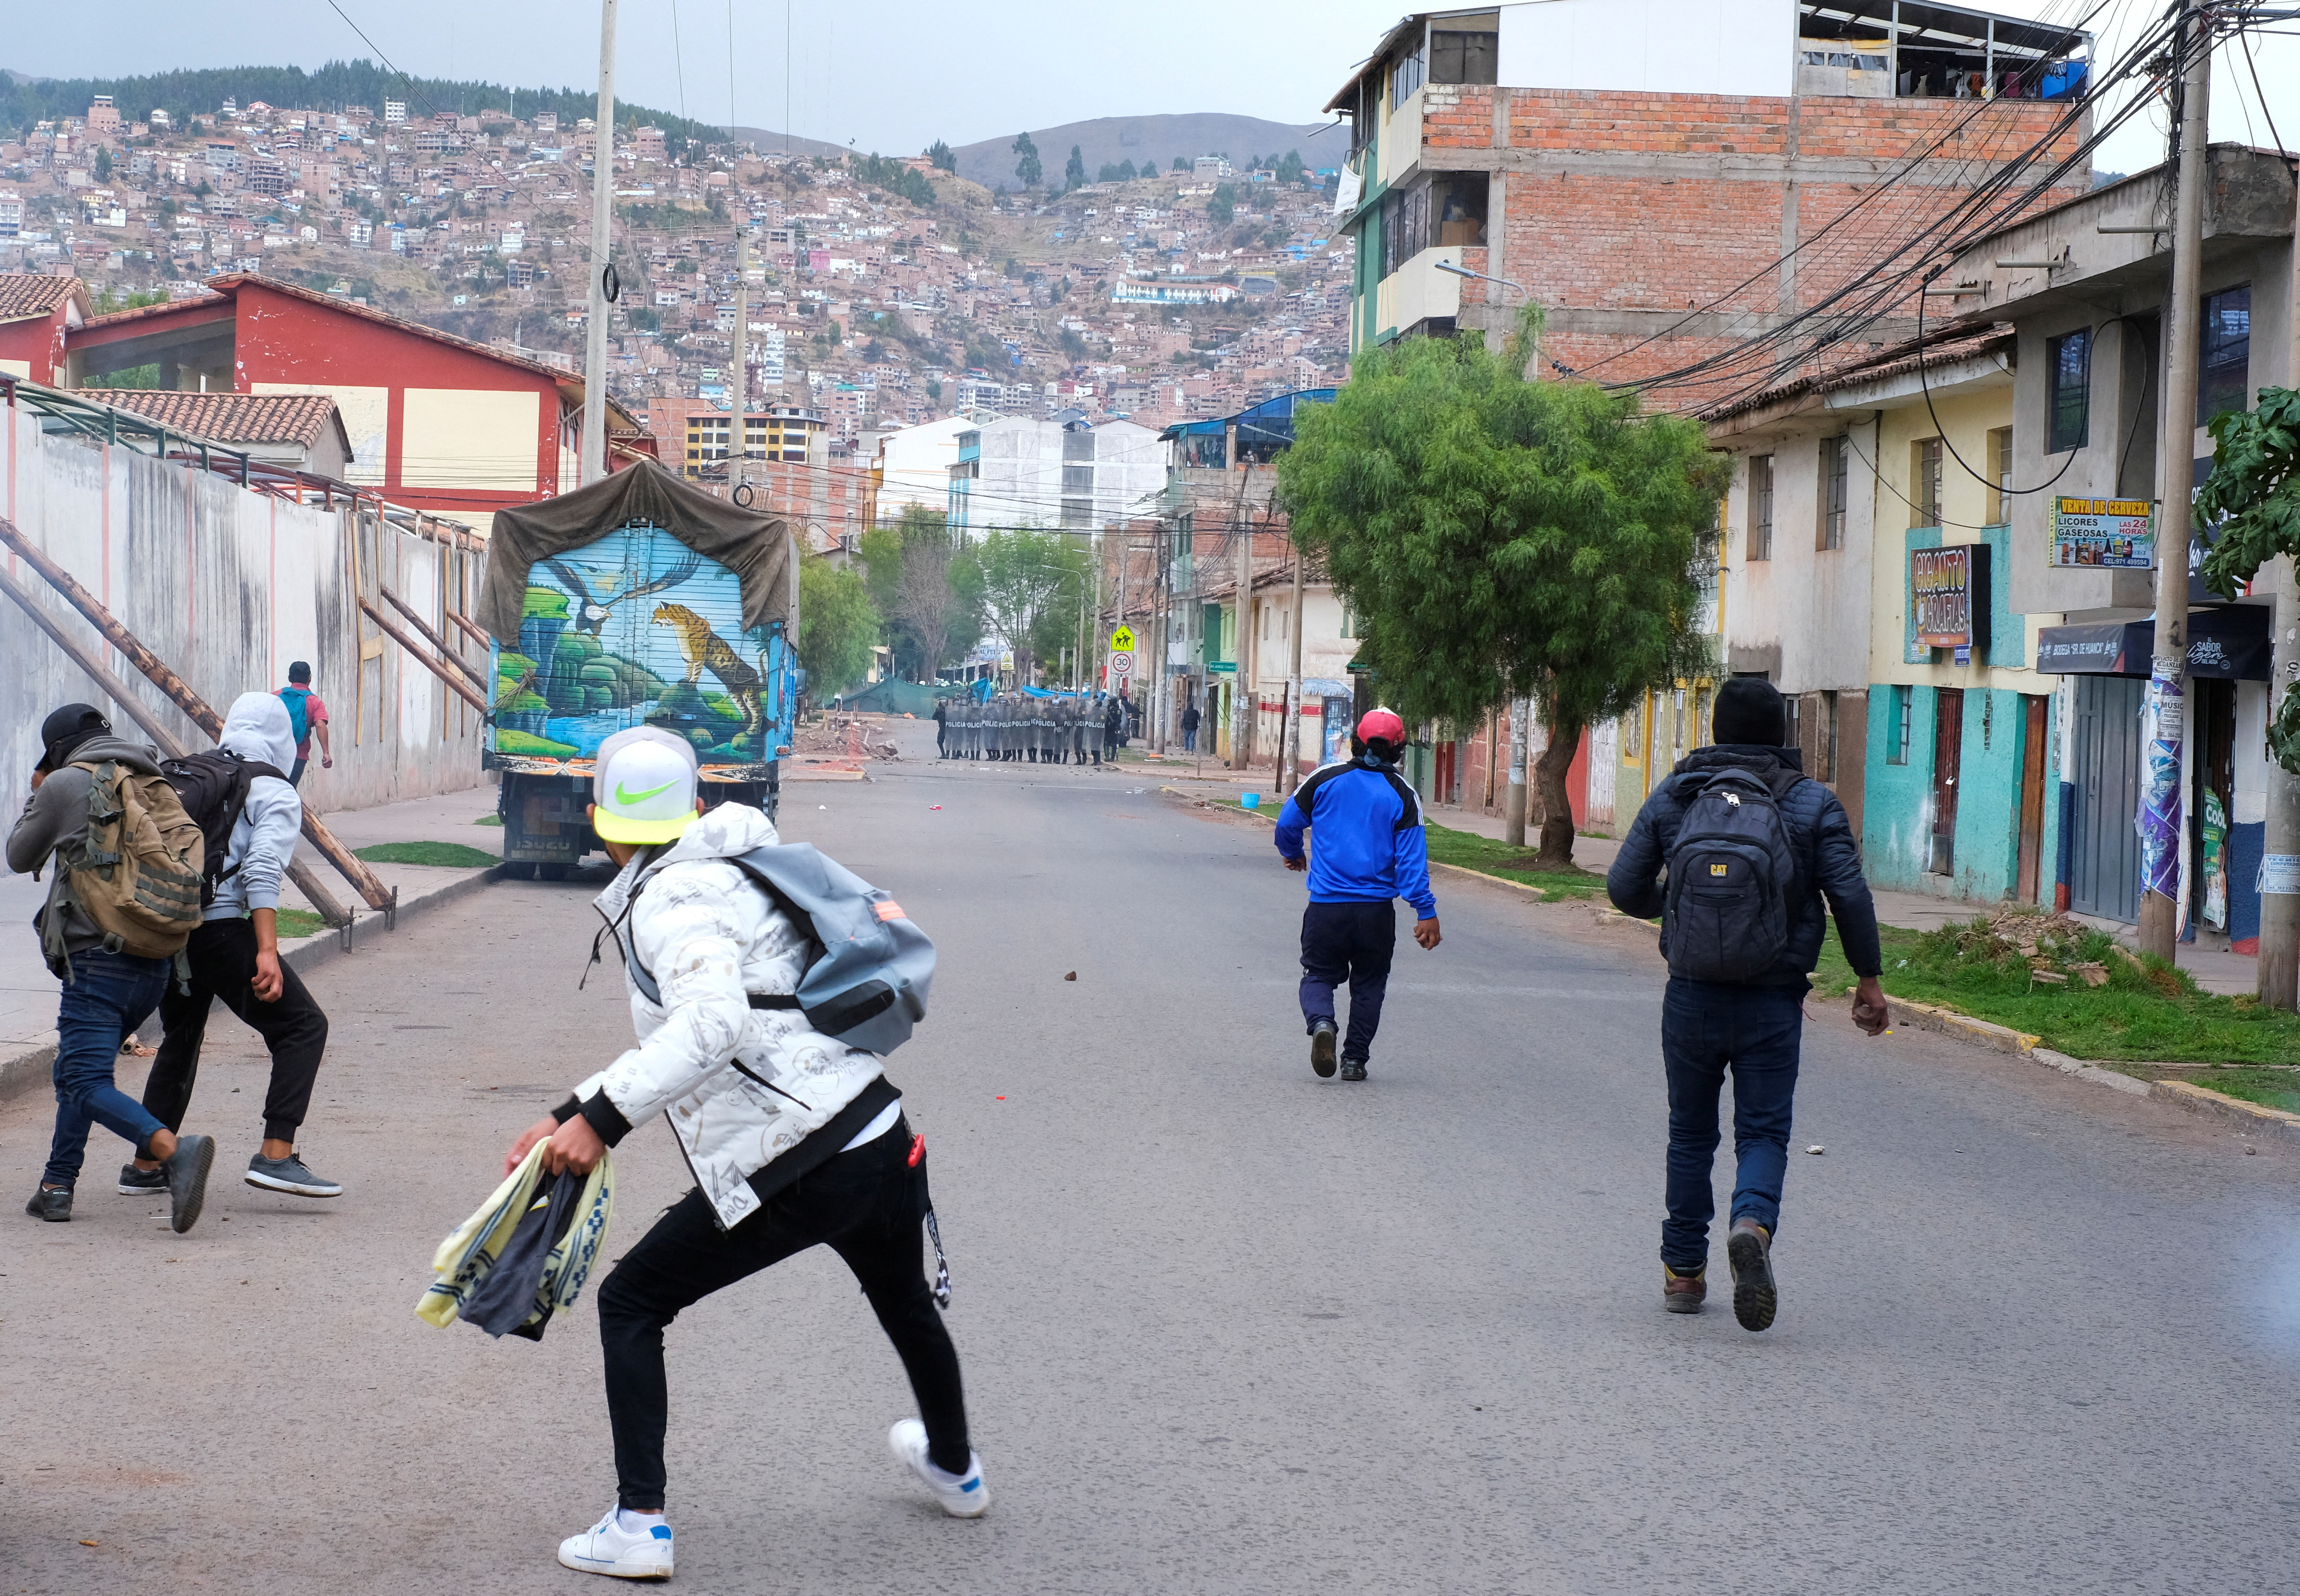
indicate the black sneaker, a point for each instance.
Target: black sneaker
{"x":1321,"y":1048}
{"x":143,"y":1183}
{"x":1354,"y":1069}
{"x":54,"y":1206}
{"x":187,"y":1170}
{"x":1749,"y":1248}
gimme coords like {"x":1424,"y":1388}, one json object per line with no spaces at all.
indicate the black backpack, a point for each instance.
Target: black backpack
{"x":213,"y":789}
{"x":1733,"y":879}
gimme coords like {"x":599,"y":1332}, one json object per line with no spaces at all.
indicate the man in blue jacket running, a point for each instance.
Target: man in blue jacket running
{"x":1370,"y":851}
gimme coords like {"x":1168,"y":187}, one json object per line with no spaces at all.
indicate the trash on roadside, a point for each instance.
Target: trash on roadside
{"x":2092,"y":975}
{"x":1816,"y":1150}
{"x":934,"y":806}
{"x":1249,"y":800}
{"x":1071,"y":976}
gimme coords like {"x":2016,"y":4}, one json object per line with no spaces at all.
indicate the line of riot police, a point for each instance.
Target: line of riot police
{"x":1067,"y":728}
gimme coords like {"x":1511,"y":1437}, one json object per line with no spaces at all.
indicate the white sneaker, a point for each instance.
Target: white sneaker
{"x":961,"y":1495}
{"x":609,"y":1548}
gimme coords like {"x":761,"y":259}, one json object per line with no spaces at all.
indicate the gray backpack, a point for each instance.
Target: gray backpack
{"x":867,"y":985}
{"x":1732,"y":879}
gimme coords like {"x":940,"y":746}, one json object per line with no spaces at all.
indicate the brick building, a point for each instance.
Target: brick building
{"x":1668,"y":178}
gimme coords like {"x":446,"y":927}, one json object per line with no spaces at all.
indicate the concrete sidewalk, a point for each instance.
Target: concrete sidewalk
{"x":28,"y":992}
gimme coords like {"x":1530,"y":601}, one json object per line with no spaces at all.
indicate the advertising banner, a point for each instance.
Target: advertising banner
{"x":2118,"y":533}
{"x":1948,"y":595}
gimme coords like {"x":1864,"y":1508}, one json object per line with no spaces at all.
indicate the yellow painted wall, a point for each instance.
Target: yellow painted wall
{"x":457,"y":437}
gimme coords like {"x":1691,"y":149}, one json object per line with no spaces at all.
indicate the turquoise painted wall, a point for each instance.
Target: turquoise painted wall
{"x":1896,"y":822}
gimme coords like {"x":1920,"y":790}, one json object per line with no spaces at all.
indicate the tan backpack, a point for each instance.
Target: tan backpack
{"x":139,"y":874}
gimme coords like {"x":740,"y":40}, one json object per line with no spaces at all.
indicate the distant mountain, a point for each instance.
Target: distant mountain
{"x":771,"y":143}
{"x":1154,"y":140}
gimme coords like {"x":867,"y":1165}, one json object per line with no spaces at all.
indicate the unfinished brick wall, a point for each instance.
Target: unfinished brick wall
{"x":1623,"y":211}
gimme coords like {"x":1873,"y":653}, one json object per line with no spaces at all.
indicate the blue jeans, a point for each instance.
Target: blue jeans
{"x":1706,"y":1029}
{"x":1349,"y":942}
{"x":1190,"y":740}
{"x":109,"y":995}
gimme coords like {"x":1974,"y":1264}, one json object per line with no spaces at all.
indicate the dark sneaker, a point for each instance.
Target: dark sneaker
{"x":1749,"y":1247}
{"x":1354,"y":1069}
{"x":1321,"y":1048}
{"x":143,"y":1183}
{"x":54,"y":1206}
{"x":187,"y":1170}
{"x":289,"y":1175}
{"x":1683,"y":1292}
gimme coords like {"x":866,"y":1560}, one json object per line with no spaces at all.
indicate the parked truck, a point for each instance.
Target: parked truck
{"x":638,"y":601}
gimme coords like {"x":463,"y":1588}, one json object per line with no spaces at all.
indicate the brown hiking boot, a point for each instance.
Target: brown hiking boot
{"x":1683,"y":1293}
{"x":1749,"y":1247}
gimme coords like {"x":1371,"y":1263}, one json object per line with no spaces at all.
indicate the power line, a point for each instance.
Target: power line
{"x":379,"y":55}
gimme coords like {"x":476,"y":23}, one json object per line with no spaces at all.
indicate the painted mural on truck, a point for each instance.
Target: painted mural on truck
{"x":638,"y":630}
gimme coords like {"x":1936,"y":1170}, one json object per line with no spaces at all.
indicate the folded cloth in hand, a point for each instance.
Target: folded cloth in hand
{"x":527,"y":1251}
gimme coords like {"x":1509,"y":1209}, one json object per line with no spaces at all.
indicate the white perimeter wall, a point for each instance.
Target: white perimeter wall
{"x":1659,"y":46}
{"x":227,"y":586}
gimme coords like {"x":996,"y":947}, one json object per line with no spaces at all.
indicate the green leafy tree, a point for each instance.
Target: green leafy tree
{"x":1221,"y":205}
{"x":1502,"y":538}
{"x":1029,"y":591}
{"x":102,"y":165}
{"x":1074,"y":170}
{"x":1290,"y":170}
{"x":929,"y":586}
{"x":838,"y":626}
{"x":1028,"y":169}
{"x":1181,"y":163}
{"x":942,"y":156}
{"x":2254,"y":495}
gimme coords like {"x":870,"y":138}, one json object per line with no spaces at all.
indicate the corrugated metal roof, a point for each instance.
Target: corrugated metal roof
{"x":1939,"y":351}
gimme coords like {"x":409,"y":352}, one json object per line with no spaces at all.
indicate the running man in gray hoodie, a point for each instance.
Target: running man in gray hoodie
{"x":234,"y":958}
{"x":107,"y":992}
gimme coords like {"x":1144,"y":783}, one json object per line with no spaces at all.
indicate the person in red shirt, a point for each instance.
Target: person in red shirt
{"x":309,"y":717}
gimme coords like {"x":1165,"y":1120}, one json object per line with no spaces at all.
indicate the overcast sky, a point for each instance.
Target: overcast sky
{"x":893,"y":75}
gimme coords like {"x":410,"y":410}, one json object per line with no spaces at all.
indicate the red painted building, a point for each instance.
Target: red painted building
{"x":36,"y":314}
{"x":435,"y":422}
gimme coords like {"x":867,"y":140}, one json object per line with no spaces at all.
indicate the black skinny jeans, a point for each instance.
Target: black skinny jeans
{"x":223,"y":957}
{"x":866,"y":1205}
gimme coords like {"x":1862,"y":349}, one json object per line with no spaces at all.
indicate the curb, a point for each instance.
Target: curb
{"x":21,"y":1071}
{"x":2183,"y":1094}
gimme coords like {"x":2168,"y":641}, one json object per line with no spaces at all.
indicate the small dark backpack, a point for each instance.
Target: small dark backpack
{"x":1732,"y":879}
{"x":213,"y":787}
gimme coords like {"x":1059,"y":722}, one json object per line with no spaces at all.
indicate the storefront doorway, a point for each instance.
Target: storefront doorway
{"x":1948,"y":749}
{"x":2104,"y":850}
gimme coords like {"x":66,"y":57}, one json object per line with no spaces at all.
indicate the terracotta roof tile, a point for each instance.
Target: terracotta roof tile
{"x":24,"y":294}
{"x":226,"y":417}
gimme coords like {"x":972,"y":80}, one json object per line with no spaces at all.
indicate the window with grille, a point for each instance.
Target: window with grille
{"x":1899,"y":712}
{"x":2224,"y":362}
{"x":2068,"y":376}
{"x":1761,"y":507}
{"x":1835,"y":473}
{"x":2000,"y":475}
{"x":1925,"y":482}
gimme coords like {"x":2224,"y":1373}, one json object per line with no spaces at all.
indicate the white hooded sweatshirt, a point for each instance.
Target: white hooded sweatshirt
{"x":263,"y":842}
{"x":742,"y":1086}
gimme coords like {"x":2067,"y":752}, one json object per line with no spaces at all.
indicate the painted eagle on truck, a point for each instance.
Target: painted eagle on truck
{"x":593,"y":659}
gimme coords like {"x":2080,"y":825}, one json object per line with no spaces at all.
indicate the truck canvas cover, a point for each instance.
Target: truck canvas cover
{"x":639,"y":600}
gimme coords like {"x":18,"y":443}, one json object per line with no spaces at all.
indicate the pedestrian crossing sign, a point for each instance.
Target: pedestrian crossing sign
{"x":1122,"y":640}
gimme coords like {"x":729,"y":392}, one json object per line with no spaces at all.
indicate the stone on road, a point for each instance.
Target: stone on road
{"x":1225,"y":1326}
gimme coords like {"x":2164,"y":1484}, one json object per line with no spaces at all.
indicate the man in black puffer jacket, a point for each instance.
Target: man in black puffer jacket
{"x":1754,"y":1028}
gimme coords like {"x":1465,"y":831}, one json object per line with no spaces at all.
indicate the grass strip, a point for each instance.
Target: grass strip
{"x":299,"y":922}
{"x":451,"y":855}
{"x":2146,"y":1010}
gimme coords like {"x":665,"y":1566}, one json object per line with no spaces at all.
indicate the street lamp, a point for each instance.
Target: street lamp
{"x":1459,"y":270}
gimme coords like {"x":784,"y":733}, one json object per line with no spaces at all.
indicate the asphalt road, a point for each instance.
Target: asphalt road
{"x":1226,"y":1327}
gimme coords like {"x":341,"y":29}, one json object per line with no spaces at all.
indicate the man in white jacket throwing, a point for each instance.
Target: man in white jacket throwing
{"x":795,"y":1138}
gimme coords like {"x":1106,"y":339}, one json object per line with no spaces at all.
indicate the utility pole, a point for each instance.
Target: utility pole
{"x":739,"y":471}
{"x":594,"y":459}
{"x":1241,"y":701}
{"x":2164,"y":720}
{"x":1513,"y":805}
{"x":2280,"y":899}
{"x":1290,"y":744}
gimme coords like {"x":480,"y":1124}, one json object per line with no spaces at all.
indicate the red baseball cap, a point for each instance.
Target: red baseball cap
{"x":1383,"y":725}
